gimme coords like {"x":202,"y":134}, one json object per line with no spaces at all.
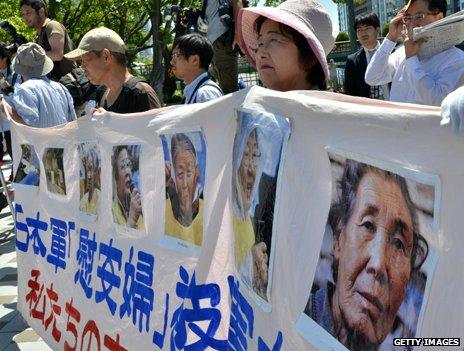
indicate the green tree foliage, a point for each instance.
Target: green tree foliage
{"x":342,"y":36}
{"x":385,"y":29}
{"x":351,"y":31}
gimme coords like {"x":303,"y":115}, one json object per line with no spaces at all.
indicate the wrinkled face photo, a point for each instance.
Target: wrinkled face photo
{"x":124,"y":175}
{"x":186,"y":174}
{"x":248,"y":168}
{"x":374,"y":258}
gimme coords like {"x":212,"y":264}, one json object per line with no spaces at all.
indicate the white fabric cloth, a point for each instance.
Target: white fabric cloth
{"x":42,"y":103}
{"x":425,"y":82}
{"x":207,"y":91}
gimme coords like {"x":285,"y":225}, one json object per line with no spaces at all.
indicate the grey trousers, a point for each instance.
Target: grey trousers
{"x":224,"y":66}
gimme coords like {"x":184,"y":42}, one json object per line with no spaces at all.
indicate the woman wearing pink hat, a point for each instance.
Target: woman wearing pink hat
{"x":288,"y":44}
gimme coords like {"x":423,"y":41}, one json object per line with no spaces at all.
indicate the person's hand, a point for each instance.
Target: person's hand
{"x":412,"y":48}
{"x":396,"y":27}
{"x":260,"y":267}
{"x":97,"y":111}
{"x":135,"y":209}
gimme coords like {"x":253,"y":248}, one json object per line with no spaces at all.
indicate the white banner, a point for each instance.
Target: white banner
{"x":259,"y":221}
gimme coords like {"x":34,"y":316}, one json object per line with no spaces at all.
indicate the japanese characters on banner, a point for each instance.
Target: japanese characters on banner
{"x":259,"y":221}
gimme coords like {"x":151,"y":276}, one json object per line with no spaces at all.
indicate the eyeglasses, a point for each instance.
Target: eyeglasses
{"x":176,"y":55}
{"x":418,"y":16}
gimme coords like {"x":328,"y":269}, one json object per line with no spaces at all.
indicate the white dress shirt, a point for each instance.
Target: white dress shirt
{"x":424,"y":82}
{"x":369,"y":54}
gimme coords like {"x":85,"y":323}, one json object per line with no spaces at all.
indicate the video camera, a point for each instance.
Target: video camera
{"x":16,"y":38}
{"x":188,"y":18}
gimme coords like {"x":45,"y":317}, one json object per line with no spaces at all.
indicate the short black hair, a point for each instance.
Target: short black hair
{"x":435,"y":6}
{"x":35,"y":4}
{"x":315,"y":74}
{"x":367,"y":19}
{"x":195,"y":44}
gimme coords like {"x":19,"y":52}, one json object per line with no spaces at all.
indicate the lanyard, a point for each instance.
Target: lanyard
{"x":194,"y":93}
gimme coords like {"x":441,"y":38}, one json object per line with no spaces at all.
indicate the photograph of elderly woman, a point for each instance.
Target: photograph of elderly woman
{"x":54,"y":170}
{"x":185,"y":165}
{"x":89,"y":178}
{"x":28,"y":171}
{"x":127,"y":196}
{"x":258,"y":148}
{"x":369,"y":285}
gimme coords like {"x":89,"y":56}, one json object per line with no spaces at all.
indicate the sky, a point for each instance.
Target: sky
{"x":331,"y":8}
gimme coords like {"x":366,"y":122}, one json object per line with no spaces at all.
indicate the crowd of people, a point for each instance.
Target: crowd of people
{"x":288,"y":45}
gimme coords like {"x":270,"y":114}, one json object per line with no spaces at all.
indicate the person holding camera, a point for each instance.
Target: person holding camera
{"x":221,"y":16}
{"x":8,"y":79}
{"x":52,"y":36}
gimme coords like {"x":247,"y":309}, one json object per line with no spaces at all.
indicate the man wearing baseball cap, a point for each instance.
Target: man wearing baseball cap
{"x":103,"y":57}
{"x":38,"y":102}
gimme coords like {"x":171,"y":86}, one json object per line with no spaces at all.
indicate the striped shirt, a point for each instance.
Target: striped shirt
{"x":43,"y":103}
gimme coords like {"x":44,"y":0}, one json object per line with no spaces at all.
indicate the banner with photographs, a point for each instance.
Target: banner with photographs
{"x":260,"y":221}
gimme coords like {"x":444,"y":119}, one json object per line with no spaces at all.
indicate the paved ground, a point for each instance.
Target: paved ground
{"x":15,"y":334}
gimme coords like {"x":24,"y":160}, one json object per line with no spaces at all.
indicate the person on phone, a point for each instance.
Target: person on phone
{"x":426,"y":81}
{"x":127,"y":200}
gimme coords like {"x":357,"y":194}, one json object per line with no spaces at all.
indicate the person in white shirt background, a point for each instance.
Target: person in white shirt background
{"x":426,"y":81}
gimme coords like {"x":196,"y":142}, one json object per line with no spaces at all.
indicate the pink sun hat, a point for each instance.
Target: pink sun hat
{"x":305,"y":16}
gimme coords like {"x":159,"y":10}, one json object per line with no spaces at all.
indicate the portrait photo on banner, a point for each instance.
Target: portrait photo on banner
{"x":185,"y":167}
{"x":376,"y":260}
{"x":54,"y":171}
{"x":89,"y":179}
{"x":259,"y":148}
{"x":127,"y":194}
{"x":28,"y":171}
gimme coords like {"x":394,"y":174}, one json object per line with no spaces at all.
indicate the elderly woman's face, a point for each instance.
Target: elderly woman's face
{"x":247,"y":169}
{"x":374,"y":259}
{"x":277,"y":59}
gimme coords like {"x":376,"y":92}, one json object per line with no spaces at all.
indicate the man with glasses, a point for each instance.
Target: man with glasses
{"x":191,"y":57}
{"x":367,"y":28}
{"x":426,"y":81}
